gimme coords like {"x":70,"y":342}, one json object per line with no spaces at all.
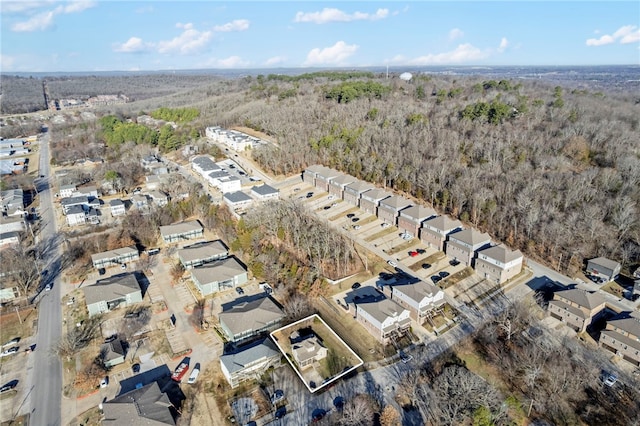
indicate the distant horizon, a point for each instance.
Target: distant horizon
{"x":306,"y":70}
{"x":89,"y":36}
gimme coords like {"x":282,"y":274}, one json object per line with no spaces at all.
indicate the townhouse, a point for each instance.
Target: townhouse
{"x":246,"y":319}
{"x":200,"y":253}
{"x":411,"y":219}
{"x":219,"y":275}
{"x":463,"y":245}
{"x":188,"y":230}
{"x":370,"y":200}
{"x":383,"y":318}
{"x":420,"y":298}
{"x":389,"y":208}
{"x":498,"y":263}
{"x":576,"y":307}
{"x":120,"y":256}
{"x":353,"y":191}
{"x":434,"y":231}
{"x":622,"y":337}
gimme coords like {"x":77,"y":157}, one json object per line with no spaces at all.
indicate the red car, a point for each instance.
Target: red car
{"x":413,"y":253}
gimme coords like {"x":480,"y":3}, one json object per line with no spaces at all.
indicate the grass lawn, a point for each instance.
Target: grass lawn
{"x":614,"y":288}
{"x":344,"y":214}
{"x":402,"y":247}
{"x":380,"y":234}
{"x":456,"y":278}
{"x":350,"y":331}
{"x":14,"y":324}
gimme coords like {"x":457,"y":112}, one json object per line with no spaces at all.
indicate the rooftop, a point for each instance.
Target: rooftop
{"x":144,"y":406}
{"x":112,"y":288}
{"x":181,"y":228}
{"x":501,"y":253}
{"x":240,"y":360}
{"x":582,"y":297}
{"x":443,"y":223}
{"x":264,"y":190}
{"x":253,"y":315}
{"x":220,"y":270}
{"x":202,"y":250}
{"x":471,"y":237}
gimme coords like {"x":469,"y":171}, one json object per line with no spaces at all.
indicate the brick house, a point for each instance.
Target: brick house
{"x":354,"y":190}
{"x":324,"y":176}
{"x":434,"y":231}
{"x":463,"y":245}
{"x":411,"y":219}
{"x":310,"y":173}
{"x":389,"y":208}
{"x":622,"y":337}
{"x":338,"y":183}
{"x":370,"y":200}
{"x":498,"y":263}
{"x":576,"y":307}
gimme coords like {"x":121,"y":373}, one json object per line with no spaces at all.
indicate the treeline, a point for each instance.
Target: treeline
{"x":328,"y":75}
{"x":177,"y":115}
{"x":347,"y":92}
{"x":116,"y":131}
{"x":20,"y":94}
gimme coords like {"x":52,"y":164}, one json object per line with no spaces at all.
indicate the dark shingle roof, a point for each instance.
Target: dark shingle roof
{"x":145,"y":406}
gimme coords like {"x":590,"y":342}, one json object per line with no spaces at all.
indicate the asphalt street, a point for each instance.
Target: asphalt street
{"x":46,"y":375}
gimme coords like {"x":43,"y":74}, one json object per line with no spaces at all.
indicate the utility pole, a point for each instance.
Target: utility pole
{"x":18,"y":312}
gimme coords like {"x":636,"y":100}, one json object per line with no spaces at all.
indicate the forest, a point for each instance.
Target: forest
{"x":550,"y":169}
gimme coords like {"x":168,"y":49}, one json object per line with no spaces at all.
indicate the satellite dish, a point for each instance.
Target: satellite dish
{"x":406,"y":76}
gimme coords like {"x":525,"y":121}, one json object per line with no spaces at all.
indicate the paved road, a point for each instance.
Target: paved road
{"x":46,"y":375}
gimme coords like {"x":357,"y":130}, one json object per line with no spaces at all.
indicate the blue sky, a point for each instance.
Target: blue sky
{"x":50,"y":35}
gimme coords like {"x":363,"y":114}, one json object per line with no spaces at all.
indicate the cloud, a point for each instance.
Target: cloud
{"x":233,"y":62}
{"x":275,"y":60}
{"x":333,"y":55}
{"x":455,"y":34}
{"x":504,"y":43}
{"x":237,"y":25}
{"x":43,"y":20}
{"x":133,"y":45}
{"x":23,"y":6}
{"x":189,"y":41}
{"x":625,"y":35}
{"x":336,"y":15}
{"x":461,"y":54}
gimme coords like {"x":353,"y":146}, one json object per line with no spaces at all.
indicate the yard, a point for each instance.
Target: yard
{"x":614,"y":288}
{"x":380,"y":234}
{"x":17,"y":323}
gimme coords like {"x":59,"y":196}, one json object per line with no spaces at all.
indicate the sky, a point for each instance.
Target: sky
{"x":100,"y":35}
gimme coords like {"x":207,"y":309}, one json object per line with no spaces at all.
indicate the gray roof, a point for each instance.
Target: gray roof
{"x":146,"y":406}
{"x":111,"y":288}
{"x":87,"y":189}
{"x":360,"y":186}
{"x":443,"y":223}
{"x":116,"y":203}
{"x":220,"y":270}
{"x":155,"y":194}
{"x":70,"y":201}
{"x":307,"y":349}
{"x":567,"y":307}
{"x":315,"y":168}
{"x":75,"y":209}
{"x":343,"y":180}
{"x":418,"y":291}
{"x":252,"y":315}
{"x":395,"y":202}
{"x":629,"y":325}
{"x":607,"y":263}
{"x":240,"y":360}
{"x":264,"y":190}
{"x":218,"y":174}
{"x":418,"y":213}
{"x":582,"y":297}
{"x":12,"y":197}
{"x":382,"y":309}
{"x":471,"y":237}
{"x":202,"y":251}
{"x":237,"y":197}
{"x":205,"y":163}
{"x":112,"y":350}
{"x":68,"y":186}
{"x":181,"y":228}
{"x":327,"y":173}
{"x":376,"y":194}
{"x":501,"y":253}
{"x":124,"y":251}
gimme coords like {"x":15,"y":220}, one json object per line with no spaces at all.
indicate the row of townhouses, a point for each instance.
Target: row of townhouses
{"x":494,"y":262}
{"x":234,"y":139}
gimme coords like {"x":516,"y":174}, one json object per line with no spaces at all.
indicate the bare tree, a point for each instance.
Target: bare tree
{"x":358,"y":411}
{"x":389,"y":416}
{"x":20,"y":267}
{"x":78,"y":337}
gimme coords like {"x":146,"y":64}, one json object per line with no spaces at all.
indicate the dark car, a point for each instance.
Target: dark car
{"x":280,"y":412}
{"x":318,"y":414}
{"x":350,"y":215}
{"x":426,"y":266}
{"x":444,"y":274}
{"x":355,"y":286}
{"x":102,"y":271}
{"x":239,"y":290}
{"x":9,"y":386}
{"x":355,"y":219}
{"x":454,"y":262}
{"x":326,"y":207}
{"x":135,"y":368}
{"x":435,"y":278}
{"x":309,"y":194}
{"x":277,"y":396}
{"x":421,"y":251}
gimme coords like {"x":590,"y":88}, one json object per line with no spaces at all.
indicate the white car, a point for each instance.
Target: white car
{"x":356,"y":227}
{"x":330,"y":197}
{"x":194,"y":374}
{"x":385,"y":225}
{"x":611,"y":380}
{"x":392,"y":263}
{"x":104,"y":382}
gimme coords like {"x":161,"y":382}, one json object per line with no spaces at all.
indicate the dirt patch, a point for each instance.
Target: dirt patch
{"x":17,"y":324}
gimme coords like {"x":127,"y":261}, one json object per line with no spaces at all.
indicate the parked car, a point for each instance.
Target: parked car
{"x":392,"y":263}
{"x":135,"y":368}
{"x":194,"y":374}
{"x":277,"y":396}
{"x":309,"y":194}
{"x":10,"y":351}
{"x":350,"y":215}
{"x":355,"y":286}
{"x":102,"y":271}
{"x":356,"y":227}
{"x":454,"y":262}
{"x":611,"y":380}
{"x":421,"y":251}
{"x":281,"y":412}
{"x":413,"y":253}
{"x":444,"y":274}
{"x":326,"y":207}
{"x":9,"y":386}
{"x":239,"y":290}
{"x":104,"y":382}
{"x":11,"y":342}
{"x":405,"y":358}
{"x":330,"y":197}
{"x":385,"y":225}
{"x":435,"y":278}
{"x":47,"y":287}
{"x":318,"y":414}
{"x":123,"y":266}
{"x":426,"y":266}
{"x":355,"y":219}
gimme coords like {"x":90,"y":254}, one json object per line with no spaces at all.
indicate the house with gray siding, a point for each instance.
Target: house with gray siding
{"x":353,"y":191}
{"x":463,"y":245}
{"x":247,"y":319}
{"x":622,"y":337}
{"x":498,"y":263}
{"x":383,"y":318}
{"x":111,"y":293}
{"x":119,"y":256}
{"x":324,"y":176}
{"x":389,"y":208}
{"x":219,"y":275}
{"x":603,"y":268}
{"x":249,"y":363}
{"x":310,"y":173}
{"x":434,"y":231}
{"x":182,"y":231}
{"x":411,"y":219}
{"x":370,"y":200}
{"x":576,"y":307}
{"x":200,"y":253}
